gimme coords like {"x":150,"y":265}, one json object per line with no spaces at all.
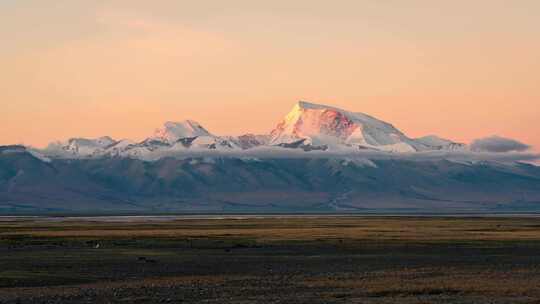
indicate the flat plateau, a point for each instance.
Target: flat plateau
{"x":274,"y":259}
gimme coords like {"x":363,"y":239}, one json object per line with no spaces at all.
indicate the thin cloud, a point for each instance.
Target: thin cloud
{"x":498,"y":145}
{"x":275,"y":152}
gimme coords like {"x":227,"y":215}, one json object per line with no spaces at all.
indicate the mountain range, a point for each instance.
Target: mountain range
{"x":317,"y":159}
{"x":308,"y":127}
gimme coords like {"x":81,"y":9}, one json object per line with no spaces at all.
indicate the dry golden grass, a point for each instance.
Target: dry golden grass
{"x":430,"y":229}
{"x":273,"y":260}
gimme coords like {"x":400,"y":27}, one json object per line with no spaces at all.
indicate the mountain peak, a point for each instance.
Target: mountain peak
{"x":318,"y":124}
{"x":309,"y":105}
{"x":306,"y":105}
{"x":173,"y":131}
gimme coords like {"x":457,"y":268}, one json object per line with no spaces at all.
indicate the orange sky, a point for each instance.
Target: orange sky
{"x":458,"y":69}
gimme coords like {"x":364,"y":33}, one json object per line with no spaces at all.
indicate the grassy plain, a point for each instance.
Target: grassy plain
{"x":271,"y":260}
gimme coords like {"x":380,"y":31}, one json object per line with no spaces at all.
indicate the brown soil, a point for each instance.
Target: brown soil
{"x":272,"y":260}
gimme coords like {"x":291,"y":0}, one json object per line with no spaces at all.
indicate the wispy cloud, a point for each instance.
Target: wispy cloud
{"x":277,"y":152}
{"x":498,"y":144}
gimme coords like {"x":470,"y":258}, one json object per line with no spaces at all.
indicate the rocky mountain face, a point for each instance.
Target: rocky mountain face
{"x":334,"y":128}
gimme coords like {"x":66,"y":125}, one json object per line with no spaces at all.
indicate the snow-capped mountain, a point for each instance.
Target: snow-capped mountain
{"x":174,"y":137}
{"x":319,"y":127}
{"x":307,"y":127}
{"x":171,"y":132}
{"x":333,"y":128}
{"x":319,"y":158}
{"x":79,"y":147}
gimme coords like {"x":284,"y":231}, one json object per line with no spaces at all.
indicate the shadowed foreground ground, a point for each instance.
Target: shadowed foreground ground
{"x":271,"y":260}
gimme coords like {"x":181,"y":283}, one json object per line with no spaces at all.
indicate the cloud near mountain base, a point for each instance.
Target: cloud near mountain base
{"x":275,"y":152}
{"x":498,"y":144}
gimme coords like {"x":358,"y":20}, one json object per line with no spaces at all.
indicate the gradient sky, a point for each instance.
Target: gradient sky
{"x":459,"y":69}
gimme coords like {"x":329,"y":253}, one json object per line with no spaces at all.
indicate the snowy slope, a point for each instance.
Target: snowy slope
{"x":433,"y":142}
{"x":336,"y":128}
{"x":173,"y":137}
{"x":248,"y":141}
{"x":173,"y":131}
{"x":79,"y":147}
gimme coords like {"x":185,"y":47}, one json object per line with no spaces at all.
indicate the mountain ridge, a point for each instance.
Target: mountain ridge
{"x":29,"y":185}
{"x":307,"y":127}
